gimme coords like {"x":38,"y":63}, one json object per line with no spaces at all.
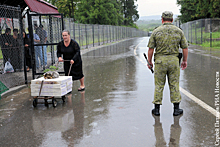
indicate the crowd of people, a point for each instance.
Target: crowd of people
{"x":12,"y":48}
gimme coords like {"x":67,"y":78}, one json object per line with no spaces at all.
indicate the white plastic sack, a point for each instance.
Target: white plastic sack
{"x":8,"y":67}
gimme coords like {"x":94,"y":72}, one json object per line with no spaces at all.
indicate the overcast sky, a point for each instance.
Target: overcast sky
{"x":156,"y":7}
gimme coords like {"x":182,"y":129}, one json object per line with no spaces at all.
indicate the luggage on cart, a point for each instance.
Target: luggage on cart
{"x":50,"y":88}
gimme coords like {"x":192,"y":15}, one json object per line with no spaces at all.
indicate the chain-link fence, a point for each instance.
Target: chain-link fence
{"x":203,"y":31}
{"x":31,"y":41}
{"x":12,"y":48}
{"x":88,"y":35}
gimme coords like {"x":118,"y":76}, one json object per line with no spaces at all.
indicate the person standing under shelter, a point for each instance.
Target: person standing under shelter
{"x":37,"y":51}
{"x":6,"y":44}
{"x":166,"y":40}
{"x":16,"y":60}
{"x":43,"y":38}
{"x":71,"y":55}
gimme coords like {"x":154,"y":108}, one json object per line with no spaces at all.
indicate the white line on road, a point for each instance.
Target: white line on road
{"x":198,"y":101}
{"x":189,"y":95}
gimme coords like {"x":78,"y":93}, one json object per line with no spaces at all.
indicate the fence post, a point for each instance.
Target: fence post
{"x":79,"y":33}
{"x":93,"y":34}
{"x":210,"y":32}
{"x":191,"y":32}
{"x":21,"y":27}
{"x":113,"y":33}
{"x":74,"y":36}
{"x":195,"y":33}
{"x":86,"y":36}
{"x":201,"y":30}
{"x":109,"y":33}
{"x":98,"y":35}
{"x":103,"y":33}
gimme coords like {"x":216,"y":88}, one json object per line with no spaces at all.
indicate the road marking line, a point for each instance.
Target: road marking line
{"x":189,"y":95}
{"x":198,"y":101}
{"x":135,"y":52}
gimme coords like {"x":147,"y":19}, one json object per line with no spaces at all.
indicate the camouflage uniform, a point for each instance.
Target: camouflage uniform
{"x":166,"y":39}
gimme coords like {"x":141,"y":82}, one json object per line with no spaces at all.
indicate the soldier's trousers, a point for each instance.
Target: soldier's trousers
{"x":167,"y":66}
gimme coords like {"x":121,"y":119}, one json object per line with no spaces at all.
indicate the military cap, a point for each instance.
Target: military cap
{"x":167,"y":14}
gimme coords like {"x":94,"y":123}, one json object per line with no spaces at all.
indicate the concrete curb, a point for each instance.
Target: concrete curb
{"x":13,"y":90}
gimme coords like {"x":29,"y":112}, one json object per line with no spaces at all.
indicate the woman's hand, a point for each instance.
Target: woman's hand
{"x":26,"y":45}
{"x":60,"y":59}
{"x":71,"y":61}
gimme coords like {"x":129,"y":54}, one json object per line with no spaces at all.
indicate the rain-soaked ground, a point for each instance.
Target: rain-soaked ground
{"x":115,"y":109}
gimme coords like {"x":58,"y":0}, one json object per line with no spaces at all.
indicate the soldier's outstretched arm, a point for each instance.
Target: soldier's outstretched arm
{"x":184,"y":62}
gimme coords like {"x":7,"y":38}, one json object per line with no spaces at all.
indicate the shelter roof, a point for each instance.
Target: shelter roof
{"x":38,"y":6}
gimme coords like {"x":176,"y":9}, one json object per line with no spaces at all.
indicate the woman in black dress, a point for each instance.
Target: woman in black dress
{"x":71,"y":52}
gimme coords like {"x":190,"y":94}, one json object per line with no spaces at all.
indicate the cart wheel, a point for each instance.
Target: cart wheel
{"x":46,"y":102}
{"x":54,"y":102}
{"x":35,"y":102}
{"x":64,"y":98}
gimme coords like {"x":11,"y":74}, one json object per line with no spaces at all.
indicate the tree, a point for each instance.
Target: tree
{"x":130,"y":12}
{"x":203,"y":9}
{"x":215,"y":8}
{"x":98,"y":12}
{"x":197,"y":9}
{"x":108,"y":12}
{"x":67,"y":7}
{"x":188,"y":10}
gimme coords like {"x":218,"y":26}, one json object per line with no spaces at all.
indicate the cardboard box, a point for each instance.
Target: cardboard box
{"x":51,"y":87}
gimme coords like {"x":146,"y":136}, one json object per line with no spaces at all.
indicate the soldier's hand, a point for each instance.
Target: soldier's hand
{"x":183,"y":65}
{"x":150,"y":66}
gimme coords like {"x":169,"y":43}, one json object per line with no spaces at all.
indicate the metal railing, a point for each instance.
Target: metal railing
{"x":203,"y":31}
{"x":93,"y":34}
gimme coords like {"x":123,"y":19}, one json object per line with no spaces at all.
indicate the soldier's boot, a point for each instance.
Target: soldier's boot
{"x":177,"y":111}
{"x":156,"y":110}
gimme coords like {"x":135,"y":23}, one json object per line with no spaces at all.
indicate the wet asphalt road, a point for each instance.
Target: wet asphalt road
{"x":115,"y":109}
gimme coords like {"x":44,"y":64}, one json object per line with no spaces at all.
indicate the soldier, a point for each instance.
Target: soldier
{"x":166,"y":40}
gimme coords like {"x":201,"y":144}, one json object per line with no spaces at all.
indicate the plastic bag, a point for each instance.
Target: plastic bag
{"x":8,"y":67}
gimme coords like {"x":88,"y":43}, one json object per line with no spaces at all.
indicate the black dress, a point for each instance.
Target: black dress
{"x":71,"y":52}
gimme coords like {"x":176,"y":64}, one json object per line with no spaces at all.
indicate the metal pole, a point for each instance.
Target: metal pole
{"x":98,"y":35}
{"x":195,"y":32}
{"x":93,"y":35}
{"x":210,"y":32}
{"x":86,"y":37}
{"x":74,"y":36}
{"x":201,"y":29}
{"x":30,"y":29}
{"x":103,"y":33}
{"x":79,"y":33}
{"x":21,"y":28}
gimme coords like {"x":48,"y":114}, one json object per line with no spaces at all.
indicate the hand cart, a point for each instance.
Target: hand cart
{"x":67,"y":79}
{"x":51,"y":89}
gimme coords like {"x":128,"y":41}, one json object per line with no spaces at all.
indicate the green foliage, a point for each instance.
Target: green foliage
{"x":197,"y":9}
{"x":51,"y":68}
{"x":67,"y":7}
{"x":99,"y":12}
{"x":129,"y":10}
{"x":106,"y":12}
